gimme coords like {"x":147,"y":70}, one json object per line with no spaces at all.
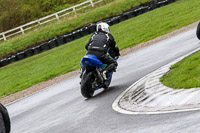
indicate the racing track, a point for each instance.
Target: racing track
{"x":62,"y":109}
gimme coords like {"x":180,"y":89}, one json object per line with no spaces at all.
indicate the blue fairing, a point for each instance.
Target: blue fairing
{"x":91,"y":60}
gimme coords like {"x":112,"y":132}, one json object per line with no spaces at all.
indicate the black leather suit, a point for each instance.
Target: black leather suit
{"x":99,"y":44}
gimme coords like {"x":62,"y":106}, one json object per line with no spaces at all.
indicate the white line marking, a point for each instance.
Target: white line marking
{"x":116,"y":107}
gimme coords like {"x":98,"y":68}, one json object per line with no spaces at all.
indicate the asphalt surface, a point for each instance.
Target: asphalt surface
{"x":62,"y":109}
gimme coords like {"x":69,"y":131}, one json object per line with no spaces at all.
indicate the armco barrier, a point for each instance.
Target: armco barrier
{"x":88,"y":29}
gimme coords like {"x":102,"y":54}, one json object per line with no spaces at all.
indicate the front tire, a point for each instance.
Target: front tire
{"x":86,"y":85}
{"x":198,"y":31}
{"x":6,"y":118}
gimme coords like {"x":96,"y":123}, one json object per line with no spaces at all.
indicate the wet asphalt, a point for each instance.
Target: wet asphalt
{"x":61,"y":108}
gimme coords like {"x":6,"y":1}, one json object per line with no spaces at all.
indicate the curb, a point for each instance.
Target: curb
{"x":149,"y":96}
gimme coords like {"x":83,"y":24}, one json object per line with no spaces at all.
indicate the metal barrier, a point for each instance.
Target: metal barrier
{"x":21,"y":29}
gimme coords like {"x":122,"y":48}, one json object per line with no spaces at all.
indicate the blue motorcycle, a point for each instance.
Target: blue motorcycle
{"x":91,"y":78}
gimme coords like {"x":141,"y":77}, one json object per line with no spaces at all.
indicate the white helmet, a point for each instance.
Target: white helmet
{"x":103,"y":27}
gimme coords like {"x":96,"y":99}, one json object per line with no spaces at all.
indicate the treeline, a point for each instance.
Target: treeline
{"x":17,"y":12}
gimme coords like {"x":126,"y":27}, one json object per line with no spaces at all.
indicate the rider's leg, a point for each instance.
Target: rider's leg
{"x":111,"y":64}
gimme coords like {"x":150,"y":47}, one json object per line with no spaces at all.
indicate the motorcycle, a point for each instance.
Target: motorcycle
{"x":92,"y":78}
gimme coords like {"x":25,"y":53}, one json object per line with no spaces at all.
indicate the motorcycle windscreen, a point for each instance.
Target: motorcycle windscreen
{"x":91,"y":60}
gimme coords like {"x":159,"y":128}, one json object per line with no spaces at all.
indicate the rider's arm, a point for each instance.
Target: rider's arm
{"x":86,"y":46}
{"x":112,"y":42}
{"x":113,"y":45}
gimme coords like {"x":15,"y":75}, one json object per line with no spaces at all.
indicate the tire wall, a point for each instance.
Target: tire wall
{"x":83,"y":31}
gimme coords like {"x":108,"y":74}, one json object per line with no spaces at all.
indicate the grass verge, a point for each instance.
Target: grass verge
{"x":65,"y":25}
{"x":184,"y":74}
{"x":25,"y":73}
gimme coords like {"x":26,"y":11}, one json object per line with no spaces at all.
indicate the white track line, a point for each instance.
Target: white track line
{"x":116,"y":107}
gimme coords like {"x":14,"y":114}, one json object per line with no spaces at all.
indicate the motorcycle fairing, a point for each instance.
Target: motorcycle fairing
{"x":91,"y":60}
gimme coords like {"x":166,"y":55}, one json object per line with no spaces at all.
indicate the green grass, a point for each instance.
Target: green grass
{"x":184,"y":74}
{"x":65,"y":25}
{"x":23,"y":74}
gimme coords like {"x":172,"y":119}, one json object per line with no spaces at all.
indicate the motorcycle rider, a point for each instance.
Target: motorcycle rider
{"x":100,"y":44}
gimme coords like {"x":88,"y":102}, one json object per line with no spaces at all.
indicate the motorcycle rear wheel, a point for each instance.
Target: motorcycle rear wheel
{"x":86,"y":85}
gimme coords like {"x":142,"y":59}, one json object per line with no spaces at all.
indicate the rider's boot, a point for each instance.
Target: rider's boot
{"x":99,"y":77}
{"x":104,"y":75}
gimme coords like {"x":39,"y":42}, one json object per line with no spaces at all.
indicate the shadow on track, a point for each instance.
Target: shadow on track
{"x":107,"y":92}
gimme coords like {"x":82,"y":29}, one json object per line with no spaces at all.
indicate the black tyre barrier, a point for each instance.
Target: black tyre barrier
{"x":139,"y":11}
{"x":29,"y":52}
{"x":68,"y":37}
{"x":92,"y":28}
{"x":171,"y":1}
{"x":4,"y":62}
{"x":6,"y":118}
{"x":198,"y":31}
{"x":130,"y":14}
{"x":44,"y":46}
{"x":36,"y":49}
{"x":52,"y":43}
{"x":88,"y":29}
{"x":12,"y":59}
{"x":108,"y":21}
{"x":115,"y":20}
{"x":76,"y":34}
{"x":20,"y":55}
{"x":162,"y":3}
{"x":123,"y":17}
{"x":153,"y":6}
{"x":84,"y":31}
{"x":59,"y":40}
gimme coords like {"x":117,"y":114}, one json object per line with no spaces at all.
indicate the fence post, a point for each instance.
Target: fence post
{"x":57,"y":17}
{"x":4,"y":37}
{"x":22,"y":30}
{"x":91,"y":3}
{"x":39,"y":22}
{"x":74,"y":10}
